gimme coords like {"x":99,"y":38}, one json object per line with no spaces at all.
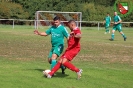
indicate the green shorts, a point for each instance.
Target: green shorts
{"x":56,"y":50}
{"x":117,"y":27}
{"x":107,"y":26}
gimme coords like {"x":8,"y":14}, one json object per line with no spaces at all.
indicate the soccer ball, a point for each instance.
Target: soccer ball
{"x":46,"y":71}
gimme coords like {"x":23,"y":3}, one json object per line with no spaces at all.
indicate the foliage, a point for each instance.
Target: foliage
{"x":93,"y":10}
{"x":11,"y":10}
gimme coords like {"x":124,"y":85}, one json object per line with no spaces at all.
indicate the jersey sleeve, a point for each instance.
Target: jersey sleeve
{"x":65,"y":32}
{"x":48,"y":32}
{"x":119,"y":18}
{"x":110,"y":18}
{"x":77,"y":31}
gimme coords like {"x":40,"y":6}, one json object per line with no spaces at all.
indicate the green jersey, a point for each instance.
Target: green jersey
{"x":57,"y":35}
{"x":116,"y":19}
{"x":107,"y":19}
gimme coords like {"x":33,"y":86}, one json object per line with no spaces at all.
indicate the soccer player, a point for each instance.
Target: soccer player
{"x":71,"y":51}
{"x":117,"y":26}
{"x":58,"y":32}
{"x":106,"y":23}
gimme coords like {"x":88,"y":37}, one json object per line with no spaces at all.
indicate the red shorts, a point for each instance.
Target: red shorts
{"x":70,"y":54}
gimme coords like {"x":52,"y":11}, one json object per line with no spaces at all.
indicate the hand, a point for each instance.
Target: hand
{"x":36,"y":32}
{"x":115,"y":23}
{"x":71,"y":33}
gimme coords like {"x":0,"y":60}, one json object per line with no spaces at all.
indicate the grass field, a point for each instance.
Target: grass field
{"x":105,"y":64}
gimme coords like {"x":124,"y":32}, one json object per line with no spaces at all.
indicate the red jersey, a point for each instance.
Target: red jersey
{"x":73,"y":45}
{"x":74,"y":42}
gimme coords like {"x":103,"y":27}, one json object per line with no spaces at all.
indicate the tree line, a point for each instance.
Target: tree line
{"x":92,"y":10}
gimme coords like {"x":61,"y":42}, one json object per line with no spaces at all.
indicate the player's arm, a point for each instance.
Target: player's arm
{"x":65,"y":33}
{"x":103,"y":22}
{"x":77,"y":35}
{"x":119,"y":20}
{"x":40,"y":33}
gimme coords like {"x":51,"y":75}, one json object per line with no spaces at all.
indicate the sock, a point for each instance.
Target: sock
{"x":53,"y":63}
{"x":123,"y":35}
{"x":55,"y":68}
{"x":71,"y":66}
{"x":62,"y":67}
{"x":112,"y":36}
{"x":107,"y":30}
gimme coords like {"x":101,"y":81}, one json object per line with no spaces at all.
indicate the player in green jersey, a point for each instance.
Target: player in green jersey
{"x":117,"y":26}
{"x":57,"y":32}
{"x":106,"y":23}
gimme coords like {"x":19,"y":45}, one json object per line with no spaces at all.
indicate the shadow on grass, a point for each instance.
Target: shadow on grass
{"x":57,"y":74}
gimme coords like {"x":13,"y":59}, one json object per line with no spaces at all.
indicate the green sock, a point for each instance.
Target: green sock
{"x":53,"y":63}
{"x":107,"y":30}
{"x":123,"y":35}
{"x":112,"y":36}
{"x":62,"y":67}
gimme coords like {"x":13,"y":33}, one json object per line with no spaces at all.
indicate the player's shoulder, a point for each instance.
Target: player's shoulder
{"x":77,"y":29}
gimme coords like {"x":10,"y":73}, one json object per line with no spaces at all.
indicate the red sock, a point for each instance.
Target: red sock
{"x":71,"y":66}
{"x":55,"y":68}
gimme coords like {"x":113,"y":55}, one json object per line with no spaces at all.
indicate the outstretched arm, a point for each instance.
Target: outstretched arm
{"x":40,"y":33}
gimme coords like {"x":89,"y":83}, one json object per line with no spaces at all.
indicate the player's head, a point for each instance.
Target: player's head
{"x":71,"y":24}
{"x":107,"y":14}
{"x":115,"y":13}
{"x":56,"y":21}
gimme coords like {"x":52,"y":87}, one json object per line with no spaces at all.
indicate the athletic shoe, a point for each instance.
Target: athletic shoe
{"x":111,"y":39}
{"x":63,"y":70}
{"x":79,"y":74}
{"x":105,"y":33}
{"x":125,"y":39}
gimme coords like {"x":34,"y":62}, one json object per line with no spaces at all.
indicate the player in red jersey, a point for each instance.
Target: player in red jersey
{"x":71,"y":51}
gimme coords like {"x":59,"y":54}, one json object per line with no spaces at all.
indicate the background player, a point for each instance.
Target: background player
{"x":106,"y":23}
{"x":117,"y":26}
{"x":71,"y":51}
{"x":58,"y":32}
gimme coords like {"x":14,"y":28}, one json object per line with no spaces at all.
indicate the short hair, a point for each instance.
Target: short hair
{"x":56,"y":18}
{"x":71,"y":21}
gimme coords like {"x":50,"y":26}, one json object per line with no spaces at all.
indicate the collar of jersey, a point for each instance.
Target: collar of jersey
{"x":59,"y":25}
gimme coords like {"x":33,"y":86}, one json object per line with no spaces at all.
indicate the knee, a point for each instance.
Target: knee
{"x":64,"y":60}
{"x":49,"y":60}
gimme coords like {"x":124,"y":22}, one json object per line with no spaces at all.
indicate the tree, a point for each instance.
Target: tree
{"x":10,"y":10}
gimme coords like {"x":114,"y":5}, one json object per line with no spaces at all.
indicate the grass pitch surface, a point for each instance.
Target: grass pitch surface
{"x":105,"y":64}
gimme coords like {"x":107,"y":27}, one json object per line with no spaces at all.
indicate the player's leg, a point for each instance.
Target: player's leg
{"x":50,"y":56}
{"x":70,"y":66}
{"x":107,"y":28}
{"x":120,"y":31}
{"x":55,"y":68}
{"x":53,"y":60}
{"x":113,"y":35}
{"x":58,"y":50}
{"x":67,"y":57}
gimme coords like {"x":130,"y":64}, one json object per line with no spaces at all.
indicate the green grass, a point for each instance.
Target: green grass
{"x":105,"y":64}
